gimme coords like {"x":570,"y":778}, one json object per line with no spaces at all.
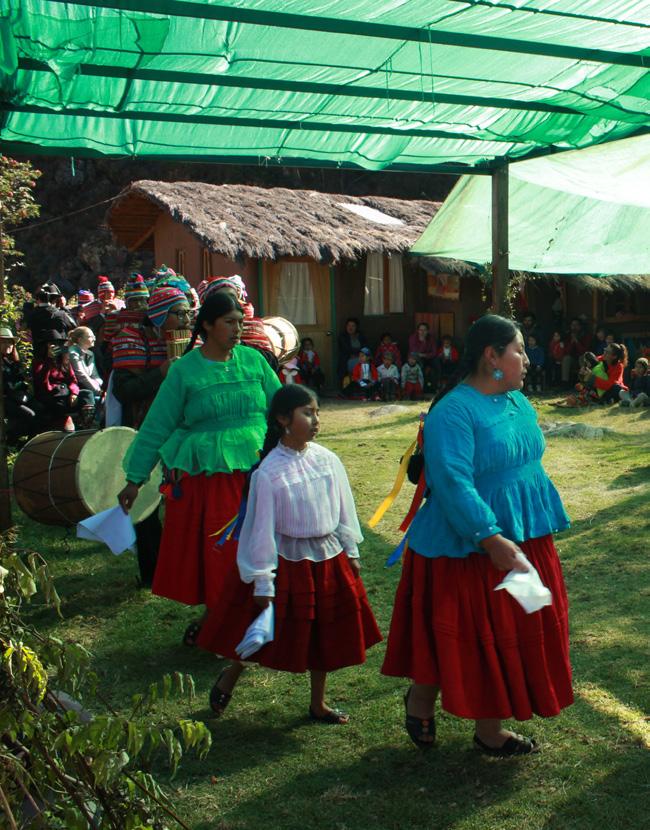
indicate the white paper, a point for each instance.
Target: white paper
{"x":259,"y":633}
{"x":526,"y":587}
{"x":112,"y":527}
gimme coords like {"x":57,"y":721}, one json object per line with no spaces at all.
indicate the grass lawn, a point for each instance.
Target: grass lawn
{"x":269,"y":767}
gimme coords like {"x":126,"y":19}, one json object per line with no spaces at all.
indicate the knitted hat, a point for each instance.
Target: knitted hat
{"x":104,"y":287}
{"x":84,"y":295}
{"x":161,"y":300}
{"x":136,"y":289}
{"x":212,"y":284}
{"x":164,"y":272}
{"x":195,"y":302}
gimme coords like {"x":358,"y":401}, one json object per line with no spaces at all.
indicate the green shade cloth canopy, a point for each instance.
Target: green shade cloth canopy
{"x":579,"y":212}
{"x":448,"y":85}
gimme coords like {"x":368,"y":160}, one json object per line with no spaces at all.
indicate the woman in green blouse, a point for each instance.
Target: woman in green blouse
{"x":206,"y":425}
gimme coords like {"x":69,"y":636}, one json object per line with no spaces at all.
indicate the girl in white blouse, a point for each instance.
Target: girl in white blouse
{"x":298,"y":550}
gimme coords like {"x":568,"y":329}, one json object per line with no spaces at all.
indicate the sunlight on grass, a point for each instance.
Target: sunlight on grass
{"x":631,"y":719}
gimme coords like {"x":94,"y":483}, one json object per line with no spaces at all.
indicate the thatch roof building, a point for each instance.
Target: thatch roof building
{"x":241,"y":221}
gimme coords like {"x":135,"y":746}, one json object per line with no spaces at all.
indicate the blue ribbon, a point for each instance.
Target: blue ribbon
{"x":396,"y":555}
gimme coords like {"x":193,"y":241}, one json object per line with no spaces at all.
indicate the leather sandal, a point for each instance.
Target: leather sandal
{"x":219,"y":700}
{"x":335,"y":717}
{"x":418,"y":728}
{"x":514,"y":745}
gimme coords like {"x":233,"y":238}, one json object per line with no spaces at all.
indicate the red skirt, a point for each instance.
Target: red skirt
{"x":191,"y":568}
{"x":323,"y":620}
{"x":489,"y":658}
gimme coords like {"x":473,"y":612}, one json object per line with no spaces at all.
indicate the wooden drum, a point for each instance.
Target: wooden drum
{"x":283,"y":336}
{"x":60,"y":478}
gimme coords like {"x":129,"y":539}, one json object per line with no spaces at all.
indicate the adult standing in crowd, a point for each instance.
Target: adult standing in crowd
{"x":576,"y":343}
{"x":45,"y":321}
{"x":422,"y":344}
{"x":489,"y":498}
{"x":350,"y":342}
{"x":206,"y":424}
{"x":19,"y":410}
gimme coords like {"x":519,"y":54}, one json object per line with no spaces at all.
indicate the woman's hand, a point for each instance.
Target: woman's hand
{"x":356,"y":567}
{"x":128,"y":495}
{"x":503,"y":553}
{"x":262,"y":602}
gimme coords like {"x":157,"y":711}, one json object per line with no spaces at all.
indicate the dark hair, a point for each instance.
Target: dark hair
{"x":354,"y":320}
{"x":303,"y":341}
{"x":216,"y":305}
{"x":284,"y":402}
{"x":620,"y":353}
{"x":385,"y":334}
{"x":423,"y":323}
{"x":489,"y":330}
{"x":590,"y":359}
{"x":528,"y":314}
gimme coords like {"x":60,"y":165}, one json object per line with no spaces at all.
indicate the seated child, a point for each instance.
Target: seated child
{"x":639,"y":391}
{"x":289,"y":372}
{"x":364,"y":378}
{"x":586,"y":390}
{"x":412,"y":378}
{"x":309,"y":365}
{"x":536,"y":356}
{"x":388,"y":346}
{"x":388,"y":375}
{"x":447,"y":358}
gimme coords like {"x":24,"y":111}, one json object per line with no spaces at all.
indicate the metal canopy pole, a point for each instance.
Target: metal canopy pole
{"x":500,"y":263}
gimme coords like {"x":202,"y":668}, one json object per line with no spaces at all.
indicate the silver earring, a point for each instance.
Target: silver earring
{"x":287,"y":431}
{"x":497,"y":374}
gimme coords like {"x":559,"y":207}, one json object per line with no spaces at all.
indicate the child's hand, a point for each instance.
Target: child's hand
{"x":356,"y":566}
{"x":262,"y":602}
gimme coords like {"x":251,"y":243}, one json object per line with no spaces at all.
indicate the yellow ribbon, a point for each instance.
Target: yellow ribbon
{"x":221,"y":530}
{"x":399,"y":481}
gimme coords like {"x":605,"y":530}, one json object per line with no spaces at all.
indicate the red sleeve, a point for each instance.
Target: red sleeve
{"x":41,"y":378}
{"x":316,"y":359}
{"x":454,"y":353}
{"x":615,"y":375}
{"x":356,"y":372}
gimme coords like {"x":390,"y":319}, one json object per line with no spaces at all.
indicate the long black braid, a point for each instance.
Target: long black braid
{"x":216,"y":305}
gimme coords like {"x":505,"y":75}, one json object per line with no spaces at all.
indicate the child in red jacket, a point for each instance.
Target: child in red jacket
{"x":364,"y":378}
{"x":447,"y":358}
{"x":615,"y":359}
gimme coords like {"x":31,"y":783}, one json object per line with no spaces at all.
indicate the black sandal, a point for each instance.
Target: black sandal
{"x":219,"y":700}
{"x":191,"y":634}
{"x":335,"y":717}
{"x":418,"y":728}
{"x":514,"y":745}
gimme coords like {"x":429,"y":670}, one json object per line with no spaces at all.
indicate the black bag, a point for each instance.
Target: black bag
{"x":415,"y":466}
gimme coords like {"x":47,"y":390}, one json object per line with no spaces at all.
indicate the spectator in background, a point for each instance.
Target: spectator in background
{"x":555,"y":355}
{"x":309,"y":364}
{"x":82,"y":360}
{"x":19,"y":408}
{"x":576,"y":343}
{"x":412,"y":379}
{"x":388,"y":378}
{"x":364,"y":377}
{"x":56,"y":387}
{"x":535,"y":375}
{"x":599,"y":343}
{"x":422,"y":344}
{"x":45,"y":321}
{"x":615,"y":359}
{"x":447,"y":358}
{"x":289,"y":372}
{"x":639,"y":391}
{"x":529,"y":327}
{"x":350,"y":342}
{"x":388,"y":346}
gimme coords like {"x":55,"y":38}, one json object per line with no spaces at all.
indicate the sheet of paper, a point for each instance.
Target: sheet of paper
{"x":112,"y":527}
{"x":259,"y":633}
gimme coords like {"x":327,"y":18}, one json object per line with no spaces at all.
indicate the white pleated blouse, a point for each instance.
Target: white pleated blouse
{"x":300,"y":506}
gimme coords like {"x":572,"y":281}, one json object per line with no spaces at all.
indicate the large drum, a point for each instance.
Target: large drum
{"x":61,"y":478}
{"x":283,"y":336}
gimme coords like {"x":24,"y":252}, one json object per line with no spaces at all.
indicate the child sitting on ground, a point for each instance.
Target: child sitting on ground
{"x":536,"y":356}
{"x":412,"y":379}
{"x":639,"y":391}
{"x":388,"y":375}
{"x":309,"y":365}
{"x":364,"y":377}
{"x":388,"y":346}
{"x":586,"y":392}
{"x":447,"y":357}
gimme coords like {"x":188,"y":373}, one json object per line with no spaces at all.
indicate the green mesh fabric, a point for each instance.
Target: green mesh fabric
{"x":380,"y":84}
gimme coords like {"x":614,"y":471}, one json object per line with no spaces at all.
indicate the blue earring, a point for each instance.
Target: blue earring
{"x":497,"y":374}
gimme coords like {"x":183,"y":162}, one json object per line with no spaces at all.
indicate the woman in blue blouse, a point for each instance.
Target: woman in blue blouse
{"x":489,"y":497}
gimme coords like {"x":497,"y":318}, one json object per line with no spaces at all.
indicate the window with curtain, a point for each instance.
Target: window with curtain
{"x":384,"y":289}
{"x":296,"y":294}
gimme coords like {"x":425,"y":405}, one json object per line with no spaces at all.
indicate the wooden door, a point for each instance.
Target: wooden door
{"x":319,"y":321}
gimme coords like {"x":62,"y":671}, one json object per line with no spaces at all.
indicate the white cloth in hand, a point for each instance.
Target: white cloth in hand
{"x":113,"y":527}
{"x":259,"y":633}
{"x":526,"y":587}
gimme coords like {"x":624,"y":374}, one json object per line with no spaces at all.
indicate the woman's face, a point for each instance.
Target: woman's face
{"x":226,"y":330}
{"x":87,"y":339}
{"x":513,"y":363}
{"x":610,"y":355}
{"x":6,"y":347}
{"x":422,"y":332}
{"x":351,"y":327}
{"x":178,"y":317}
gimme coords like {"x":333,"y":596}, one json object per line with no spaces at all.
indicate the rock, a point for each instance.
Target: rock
{"x":571,"y":429}
{"x":388,"y":410}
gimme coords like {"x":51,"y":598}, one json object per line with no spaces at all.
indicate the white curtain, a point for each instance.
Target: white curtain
{"x":374,"y":293}
{"x":395,"y":284}
{"x":296,"y":294}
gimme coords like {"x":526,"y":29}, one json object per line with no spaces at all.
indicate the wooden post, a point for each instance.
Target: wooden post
{"x":500,"y":265}
{"x":5,"y":496}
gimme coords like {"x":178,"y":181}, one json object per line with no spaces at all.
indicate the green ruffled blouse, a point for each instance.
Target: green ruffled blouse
{"x":208,"y":416}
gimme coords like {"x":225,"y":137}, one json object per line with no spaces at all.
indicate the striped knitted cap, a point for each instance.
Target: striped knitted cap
{"x":212,"y":284}
{"x":84,"y":296}
{"x":136,"y":288}
{"x":161,"y":300}
{"x":104,"y":286}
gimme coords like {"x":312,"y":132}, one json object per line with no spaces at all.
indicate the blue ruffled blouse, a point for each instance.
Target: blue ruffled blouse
{"x":483,"y":466}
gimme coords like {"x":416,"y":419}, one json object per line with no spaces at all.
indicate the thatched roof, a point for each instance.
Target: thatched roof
{"x":607,"y":285}
{"x":244,"y":221}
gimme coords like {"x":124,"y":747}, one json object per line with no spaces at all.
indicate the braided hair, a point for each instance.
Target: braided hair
{"x":216,"y":305}
{"x":284,"y":402}
{"x":489,"y":330}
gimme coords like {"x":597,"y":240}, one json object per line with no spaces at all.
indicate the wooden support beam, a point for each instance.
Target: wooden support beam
{"x":500,"y":264}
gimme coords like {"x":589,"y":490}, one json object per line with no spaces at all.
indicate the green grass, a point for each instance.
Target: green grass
{"x":269,"y":767}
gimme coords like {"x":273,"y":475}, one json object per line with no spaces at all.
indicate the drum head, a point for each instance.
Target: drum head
{"x":100,"y":476}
